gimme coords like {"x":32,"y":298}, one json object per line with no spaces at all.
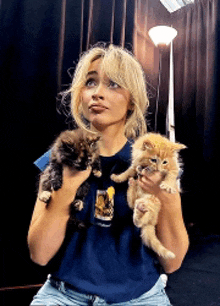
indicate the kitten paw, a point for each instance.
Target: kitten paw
{"x":114,"y":178}
{"x":139,"y":170}
{"x":78,"y":205}
{"x":167,"y":187}
{"x":97,"y":173}
{"x":45,"y":196}
{"x":131,"y":181}
{"x":137,"y":221}
{"x":141,"y":206}
{"x":139,"y":211}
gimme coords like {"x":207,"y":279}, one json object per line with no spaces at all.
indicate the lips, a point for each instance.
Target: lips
{"x":97,"y":107}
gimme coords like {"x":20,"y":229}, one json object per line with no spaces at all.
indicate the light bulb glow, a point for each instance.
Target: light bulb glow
{"x":162,"y":35}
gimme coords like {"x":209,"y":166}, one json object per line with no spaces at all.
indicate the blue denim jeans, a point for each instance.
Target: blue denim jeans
{"x":55,"y":293}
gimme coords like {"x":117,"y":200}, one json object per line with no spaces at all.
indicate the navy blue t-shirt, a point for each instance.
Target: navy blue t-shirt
{"x":108,"y":259}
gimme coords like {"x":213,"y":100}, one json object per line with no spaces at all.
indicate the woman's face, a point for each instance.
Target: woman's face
{"x":104,"y":102}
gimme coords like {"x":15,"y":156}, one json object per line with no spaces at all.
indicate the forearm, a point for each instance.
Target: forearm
{"x":171,"y":230}
{"x":48,"y":228}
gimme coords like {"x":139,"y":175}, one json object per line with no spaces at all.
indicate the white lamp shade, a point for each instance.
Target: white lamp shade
{"x":162,"y":35}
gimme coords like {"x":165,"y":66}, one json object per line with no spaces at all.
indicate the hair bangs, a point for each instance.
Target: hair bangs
{"x":114,"y":67}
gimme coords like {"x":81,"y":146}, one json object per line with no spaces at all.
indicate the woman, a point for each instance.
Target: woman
{"x":107,"y":264}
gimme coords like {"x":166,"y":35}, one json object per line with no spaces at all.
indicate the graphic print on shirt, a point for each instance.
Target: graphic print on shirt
{"x":104,"y":205}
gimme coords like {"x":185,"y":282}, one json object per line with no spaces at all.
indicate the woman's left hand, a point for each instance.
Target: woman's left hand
{"x":171,"y":229}
{"x":150,"y":182}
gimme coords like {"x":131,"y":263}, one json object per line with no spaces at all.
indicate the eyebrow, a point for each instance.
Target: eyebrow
{"x":92,"y":72}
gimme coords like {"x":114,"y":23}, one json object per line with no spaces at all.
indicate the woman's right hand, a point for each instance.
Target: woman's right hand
{"x":72,"y":180}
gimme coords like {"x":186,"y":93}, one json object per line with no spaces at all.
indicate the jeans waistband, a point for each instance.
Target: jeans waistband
{"x":63,"y":286}
{"x":58,"y":284}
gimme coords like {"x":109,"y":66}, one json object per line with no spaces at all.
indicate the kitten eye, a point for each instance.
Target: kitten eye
{"x":165,"y":162}
{"x":153,"y":160}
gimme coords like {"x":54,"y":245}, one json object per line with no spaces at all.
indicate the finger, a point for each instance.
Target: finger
{"x":145,"y":180}
{"x":144,"y":186}
{"x":73,"y":172}
{"x":154,"y":177}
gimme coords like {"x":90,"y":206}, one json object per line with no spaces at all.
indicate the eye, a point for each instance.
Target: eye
{"x":154,"y":160}
{"x":112,"y":84}
{"x":165,"y":162}
{"x":90,"y":82}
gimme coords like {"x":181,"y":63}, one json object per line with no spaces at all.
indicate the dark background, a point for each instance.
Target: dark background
{"x":29,"y":60}
{"x":39,"y":42}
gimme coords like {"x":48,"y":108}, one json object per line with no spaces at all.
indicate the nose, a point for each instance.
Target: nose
{"x":98,"y":93}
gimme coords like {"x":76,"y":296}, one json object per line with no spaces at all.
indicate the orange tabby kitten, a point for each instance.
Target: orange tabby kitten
{"x":151,"y":152}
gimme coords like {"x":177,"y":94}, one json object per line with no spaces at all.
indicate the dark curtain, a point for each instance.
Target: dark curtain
{"x":148,"y":14}
{"x":196,"y":77}
{"x":39,"y":42}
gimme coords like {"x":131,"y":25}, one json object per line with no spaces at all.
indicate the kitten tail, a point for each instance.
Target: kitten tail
{"x":150,"y":239}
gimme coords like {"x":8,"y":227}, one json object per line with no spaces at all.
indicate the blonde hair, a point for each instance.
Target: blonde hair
{"x":121,"y":67}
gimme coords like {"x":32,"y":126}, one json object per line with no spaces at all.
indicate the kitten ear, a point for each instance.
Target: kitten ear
{"x":92,"y":140}
{"x":97,"y":138}
{"x":178,"y":146}
{"x":148,"y":145}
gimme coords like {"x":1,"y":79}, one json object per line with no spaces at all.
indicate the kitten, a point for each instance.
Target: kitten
{"x":78,"y":150}
{"x":151,"y":152}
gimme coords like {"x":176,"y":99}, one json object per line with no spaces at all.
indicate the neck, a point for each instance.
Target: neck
{"x":111,"y":142}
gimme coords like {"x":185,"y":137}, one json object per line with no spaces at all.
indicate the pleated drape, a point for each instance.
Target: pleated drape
{"x":197,"y":100}
{"x":108,"y":22}
{"x":196,"y":95}
{"x":40,"y":43}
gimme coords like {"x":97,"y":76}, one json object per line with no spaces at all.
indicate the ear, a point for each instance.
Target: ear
{"x":178,"y":146}
{"x":148,"y":145}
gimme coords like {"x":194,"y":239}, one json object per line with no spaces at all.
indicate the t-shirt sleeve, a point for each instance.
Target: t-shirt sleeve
{"x":43,"y":161}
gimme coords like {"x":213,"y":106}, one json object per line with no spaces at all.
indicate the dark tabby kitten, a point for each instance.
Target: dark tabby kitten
{"x":78,"y":150}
